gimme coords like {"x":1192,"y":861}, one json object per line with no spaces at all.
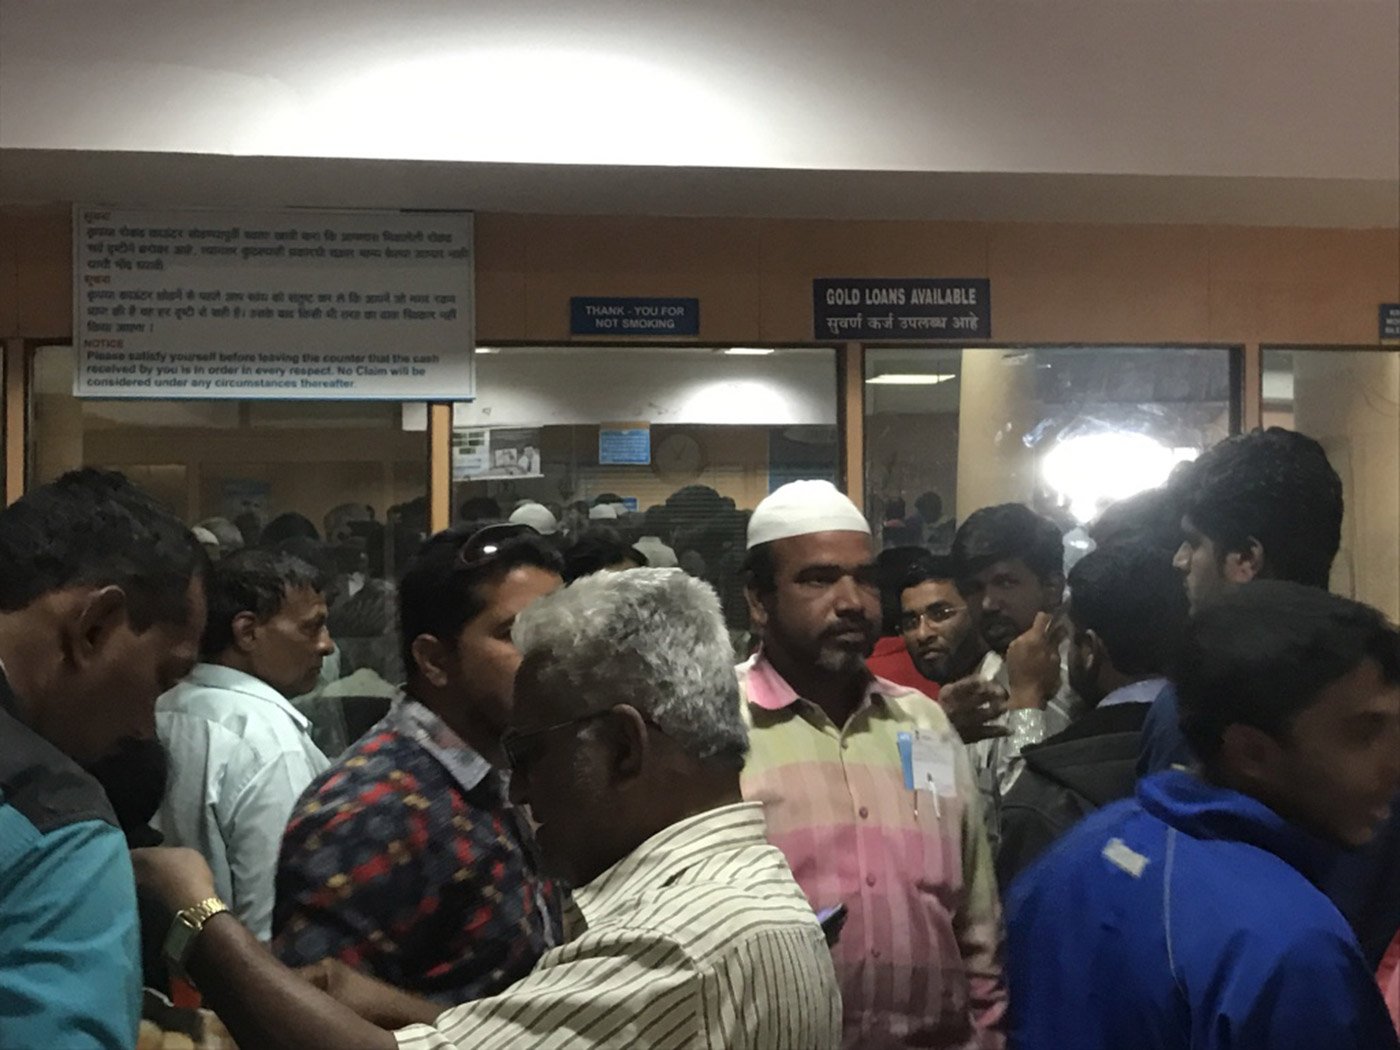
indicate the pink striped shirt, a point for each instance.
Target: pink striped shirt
{"x":919,"y":959}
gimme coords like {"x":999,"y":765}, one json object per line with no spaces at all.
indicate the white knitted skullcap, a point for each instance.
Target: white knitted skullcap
{"x":603,"y":512}
{"x":537,"y":516}
{"x":801,"y":508}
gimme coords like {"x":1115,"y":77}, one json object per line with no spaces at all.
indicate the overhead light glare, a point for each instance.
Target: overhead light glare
{"x":909,"y":379}
{"x":488,"y":350}
{"x":747,"y":351}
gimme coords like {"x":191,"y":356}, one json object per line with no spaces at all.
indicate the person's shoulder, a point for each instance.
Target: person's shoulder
{"x":710,"y":914}
{"x":910,"y":705}
{"x":45,"y":787}
{"x":380,"y":772}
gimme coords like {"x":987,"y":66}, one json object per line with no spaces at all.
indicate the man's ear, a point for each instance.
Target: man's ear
{"x":1054,"y":591}
{"x":433,"y":659}
{"x":101,"y":614}
{"x":630,"y":742}
{"x":1251,"y":756}
{"x":1093,"y":652}
{"x":245,"y":631}
{"x":758,"y":610}
{"x":1245,"y":565}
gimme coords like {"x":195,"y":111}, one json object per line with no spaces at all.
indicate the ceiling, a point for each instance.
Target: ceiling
{"x":1253,"y":111}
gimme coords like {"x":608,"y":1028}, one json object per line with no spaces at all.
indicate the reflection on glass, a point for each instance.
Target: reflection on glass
{"x":1349,"y":400}
{"x":340,"y":484}
{"x":1067,"y":430}
{"x":669,"y":447}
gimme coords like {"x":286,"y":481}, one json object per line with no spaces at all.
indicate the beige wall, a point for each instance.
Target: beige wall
{"x":1350,"y":402}
{"x":1050,"y":283}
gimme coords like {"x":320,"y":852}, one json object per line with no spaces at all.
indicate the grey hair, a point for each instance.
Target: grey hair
{"x":652,"y":638}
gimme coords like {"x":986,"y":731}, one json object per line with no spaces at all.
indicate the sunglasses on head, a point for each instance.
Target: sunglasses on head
{"x":483,"y":545}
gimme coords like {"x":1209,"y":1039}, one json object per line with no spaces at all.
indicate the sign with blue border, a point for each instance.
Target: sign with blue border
{"x":590,"y":315}
{"x":630,"y":447}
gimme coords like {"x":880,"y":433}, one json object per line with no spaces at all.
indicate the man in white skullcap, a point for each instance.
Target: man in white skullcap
{"x":537,"y":516}
{"x":866,"y":787}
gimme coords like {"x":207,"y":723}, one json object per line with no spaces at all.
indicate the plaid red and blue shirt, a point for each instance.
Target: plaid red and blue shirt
{"x":406,"y":860}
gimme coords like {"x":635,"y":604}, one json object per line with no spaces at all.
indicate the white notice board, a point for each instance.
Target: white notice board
{"x":317,"y":305}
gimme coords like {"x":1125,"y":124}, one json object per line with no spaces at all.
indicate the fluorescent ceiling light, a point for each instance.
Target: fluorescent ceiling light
{"x":747,"y":351}
{"x":487,"y":350}
{"x":909,"y":379}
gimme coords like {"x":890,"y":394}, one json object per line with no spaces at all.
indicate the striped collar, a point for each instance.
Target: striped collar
{"x":767,"y":689}
{"x":413,"y":721}
{"x":665,"y":857}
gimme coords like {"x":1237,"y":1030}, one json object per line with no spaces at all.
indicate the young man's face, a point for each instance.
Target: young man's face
{"x":482,"y":671}
{"x":824,"y":611}
{"x":287,"y":648}
{"x":939,"y":629}
{"x":1010,"y":596}
{"x":1336,"y":771}
{"x":1208,"y":573}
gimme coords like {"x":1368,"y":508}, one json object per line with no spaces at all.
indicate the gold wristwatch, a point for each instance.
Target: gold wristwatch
{"x":179,"y":942}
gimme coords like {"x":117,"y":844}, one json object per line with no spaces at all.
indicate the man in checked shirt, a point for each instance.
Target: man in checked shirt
{"x":866,"y":788}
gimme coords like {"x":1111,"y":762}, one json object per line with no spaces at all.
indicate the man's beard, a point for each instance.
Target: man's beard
{"x":840,"y":661}
{"x":999,"y":632}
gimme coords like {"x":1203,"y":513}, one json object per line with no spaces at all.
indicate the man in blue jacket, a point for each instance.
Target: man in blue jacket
{"x":1188,"y":916}
{"x":101,"y":609}
{"x":1268,"y":505}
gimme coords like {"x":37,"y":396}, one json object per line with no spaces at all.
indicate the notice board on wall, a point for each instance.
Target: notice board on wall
{"x":320,"y":305}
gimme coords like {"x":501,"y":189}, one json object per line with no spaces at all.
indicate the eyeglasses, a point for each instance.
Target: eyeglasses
{"x":484,"y":544}
{"x":516,"y":744}
{"x":933,"y":616}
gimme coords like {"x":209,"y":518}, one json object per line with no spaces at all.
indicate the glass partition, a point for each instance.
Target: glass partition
{"x":1349,"y":400}
{"x":680,"y":443}
{"x":342,"y":484}
{"x":1065,"y":429}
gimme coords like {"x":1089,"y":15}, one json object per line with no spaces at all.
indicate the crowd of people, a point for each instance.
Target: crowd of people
{"x":702,"y":777}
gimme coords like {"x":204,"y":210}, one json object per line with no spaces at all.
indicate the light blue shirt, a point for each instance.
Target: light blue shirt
{"x":240,"y":757}
{"x":1143,"y":692}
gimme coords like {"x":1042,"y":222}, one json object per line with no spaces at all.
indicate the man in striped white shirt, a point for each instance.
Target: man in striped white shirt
{"x":627,"y":743}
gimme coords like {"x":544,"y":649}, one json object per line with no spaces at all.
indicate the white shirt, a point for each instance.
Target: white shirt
{"x":697,"y":940}
{"x":240,"y":757}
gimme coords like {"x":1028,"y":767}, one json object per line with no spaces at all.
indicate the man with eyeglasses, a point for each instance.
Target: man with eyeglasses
{"x":626,"y":741}
{"x":405,"y":859}
{"x":866,"y":788}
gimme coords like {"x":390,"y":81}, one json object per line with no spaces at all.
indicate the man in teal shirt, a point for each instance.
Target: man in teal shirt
{"x":101,"y":610}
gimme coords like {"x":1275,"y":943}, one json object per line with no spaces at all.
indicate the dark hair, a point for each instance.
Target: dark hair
{"x":1150,"y":518}
{"x":438,"y":595}
{"x":255,"y":581}
{"x":891,"y":566}
{"x":930,"y":507}
{"x":929,"y":567}
{"x":94,"y":528}
{"x":1274,"y":486}
{"x":1131,"y":597}
{"x":1006,"y":532}
{"x":594,"y":549}
{"x":1261,"y":654}
{"x":759,"y":570}
{"x":479,"y":508}
{"x":288,"y":526}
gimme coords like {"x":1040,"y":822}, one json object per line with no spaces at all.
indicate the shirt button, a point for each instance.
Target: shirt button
{"x":864,"y":812}
{"x":845,"y":745}
{"x":870,"y":880}
{"x":875,"y":953}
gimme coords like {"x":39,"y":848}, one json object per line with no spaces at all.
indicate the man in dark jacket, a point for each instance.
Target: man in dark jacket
{"x":1189,"y":916}
{"x":1128,"y":611}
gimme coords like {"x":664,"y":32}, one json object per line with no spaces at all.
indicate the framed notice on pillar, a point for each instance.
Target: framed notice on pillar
{"x":314,"y":305}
